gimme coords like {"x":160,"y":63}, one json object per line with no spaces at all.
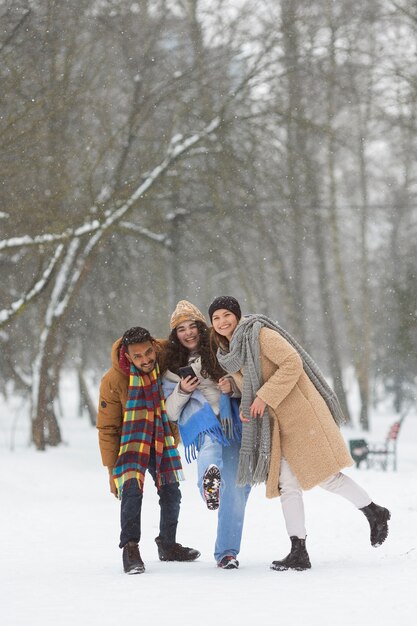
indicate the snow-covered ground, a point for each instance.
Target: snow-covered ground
{"x":60,"y":562}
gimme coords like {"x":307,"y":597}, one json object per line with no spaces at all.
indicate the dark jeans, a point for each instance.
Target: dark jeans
{"x":169,"y":501}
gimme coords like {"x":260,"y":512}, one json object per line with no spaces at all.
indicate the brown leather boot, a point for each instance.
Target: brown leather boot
{"x":132,"y":561}
{"x":175,"y":552}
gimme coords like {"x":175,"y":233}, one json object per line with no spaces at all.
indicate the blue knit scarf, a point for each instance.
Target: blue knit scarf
{"x":198,"y":419}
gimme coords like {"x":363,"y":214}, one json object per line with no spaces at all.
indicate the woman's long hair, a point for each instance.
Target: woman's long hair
{"x":218,"y":341}
{"x":175,"y":355}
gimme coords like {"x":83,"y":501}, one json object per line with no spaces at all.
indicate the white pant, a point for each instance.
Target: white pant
{"x":292,"y":497}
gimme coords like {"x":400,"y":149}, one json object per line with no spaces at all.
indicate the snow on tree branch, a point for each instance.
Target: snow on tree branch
{"x":176,"y":148}
{"x":27,"y":240}
{"x":57,"y":306}
{"x":134,"y":228}
{"x":17,"y":305}
{"x":24,"y":378}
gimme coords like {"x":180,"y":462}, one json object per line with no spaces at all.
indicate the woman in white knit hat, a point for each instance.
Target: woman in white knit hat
{"x":200,"y":401}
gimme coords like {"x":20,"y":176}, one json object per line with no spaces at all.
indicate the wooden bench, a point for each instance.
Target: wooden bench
{"x":382,"y":455}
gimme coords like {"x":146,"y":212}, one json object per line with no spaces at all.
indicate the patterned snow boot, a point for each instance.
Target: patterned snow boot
{"x":211,"y":487}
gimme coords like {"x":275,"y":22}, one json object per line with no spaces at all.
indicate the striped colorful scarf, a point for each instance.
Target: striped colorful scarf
{"x":145,"y":425}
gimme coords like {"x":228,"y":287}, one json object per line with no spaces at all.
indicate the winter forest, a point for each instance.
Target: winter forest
{"x":159,"y":150}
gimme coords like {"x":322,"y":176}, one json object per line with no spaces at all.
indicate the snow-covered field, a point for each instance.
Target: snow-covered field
{"x":60,"y":562}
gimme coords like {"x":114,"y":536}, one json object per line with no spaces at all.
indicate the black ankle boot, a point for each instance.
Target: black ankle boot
{"x":297,"y":559}
{"x":132,"y":561}
{"x":175,"y":552}
{"x":378,"y":518}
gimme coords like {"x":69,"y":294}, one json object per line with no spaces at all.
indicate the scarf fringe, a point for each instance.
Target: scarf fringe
{"x":230,"y":417}
{"x":262,"y":469}
{"x":192,"y":448}
{"x":245,"y":469}
{"x":178,"y":475}
{"x":246,"y":475}
{"x":227,"y":427}
{"x":190,"y":452}
{"x":232,"y":427}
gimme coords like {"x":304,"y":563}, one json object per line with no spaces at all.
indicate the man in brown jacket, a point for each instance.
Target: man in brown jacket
{"x":135,"y":436}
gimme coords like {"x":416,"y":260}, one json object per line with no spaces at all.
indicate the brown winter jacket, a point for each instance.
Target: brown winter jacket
{"x":112,"y":402}
{"x":303,"y":429}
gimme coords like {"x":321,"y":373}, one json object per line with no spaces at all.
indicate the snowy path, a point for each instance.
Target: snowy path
{"x":60,"y":563}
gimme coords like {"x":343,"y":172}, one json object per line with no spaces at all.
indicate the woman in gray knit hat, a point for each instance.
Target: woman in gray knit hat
{"x":291,"y":438}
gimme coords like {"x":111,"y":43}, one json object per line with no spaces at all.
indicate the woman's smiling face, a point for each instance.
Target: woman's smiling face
{"x":224,"y":323}
{"x":188,"y":335}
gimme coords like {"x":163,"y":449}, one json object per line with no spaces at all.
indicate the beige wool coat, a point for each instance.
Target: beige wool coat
{"x":303,"y":429}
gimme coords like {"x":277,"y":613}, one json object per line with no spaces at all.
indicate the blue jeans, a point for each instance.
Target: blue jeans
{"x":233,"y":499}
{"x":131,"y":508}
{"x":210,"y":453}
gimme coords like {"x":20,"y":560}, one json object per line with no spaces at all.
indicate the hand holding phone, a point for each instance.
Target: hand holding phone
{"x":189,"y":380}
{"x":186,"y":371}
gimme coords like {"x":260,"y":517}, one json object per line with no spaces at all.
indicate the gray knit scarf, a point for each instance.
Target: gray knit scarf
{"x":244,"y":351}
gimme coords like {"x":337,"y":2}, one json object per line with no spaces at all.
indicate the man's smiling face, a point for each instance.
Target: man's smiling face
{"x":142,"y":355}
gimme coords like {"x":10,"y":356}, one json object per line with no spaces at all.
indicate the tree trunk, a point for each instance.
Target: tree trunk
{"x":294,"y":145}
{"x":334,"y":250}
{"x":86,"y":403}
{"x":330,"y":331}
{"x":45,"y":427}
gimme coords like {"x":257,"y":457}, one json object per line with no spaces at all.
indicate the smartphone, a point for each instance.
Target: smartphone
{"x":187,"y":371}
